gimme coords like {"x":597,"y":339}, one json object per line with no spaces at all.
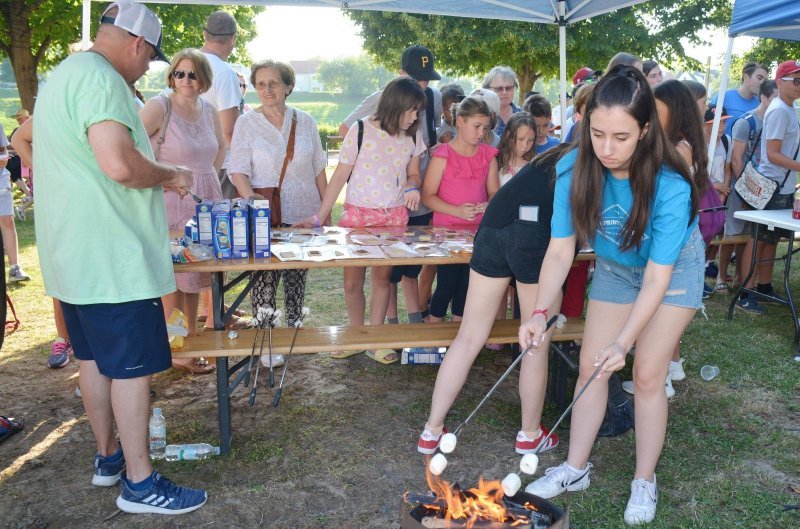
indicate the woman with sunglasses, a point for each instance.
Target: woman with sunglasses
{"x":192,"y":138}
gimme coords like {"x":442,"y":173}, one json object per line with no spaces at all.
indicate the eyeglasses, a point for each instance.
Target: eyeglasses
{"x":180,"y":74}
{"x":242,"y":85}
{"x":502,"y":88}
{"x":272,"y":85}
{"x":795,"y":80}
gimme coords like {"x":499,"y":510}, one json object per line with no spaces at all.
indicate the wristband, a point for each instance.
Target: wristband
{"x":543,"y":312}
{"x":411,"y":189}
{"x":315,"y":218}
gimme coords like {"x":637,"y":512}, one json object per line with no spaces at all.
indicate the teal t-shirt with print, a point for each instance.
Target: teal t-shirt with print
{"x":667,"y":231}
{"x":98,"y":241}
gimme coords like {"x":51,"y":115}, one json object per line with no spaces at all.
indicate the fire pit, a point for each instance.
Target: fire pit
{"x":482,"y":507}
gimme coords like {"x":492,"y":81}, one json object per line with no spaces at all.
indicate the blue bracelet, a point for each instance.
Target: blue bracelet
{"x":411,"y":189}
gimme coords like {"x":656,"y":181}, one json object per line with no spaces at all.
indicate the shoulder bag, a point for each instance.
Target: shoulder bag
{"x":755,"y":188}
{"x":273,"y":194}
{"x":162,"y":132}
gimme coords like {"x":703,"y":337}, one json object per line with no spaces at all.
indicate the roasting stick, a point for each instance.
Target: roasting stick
{"x":258,"y":321}
{"x":530,"y":462}
{"x":297,"y":325}
{"x":449,"y":440}
{"x":270,"y":322}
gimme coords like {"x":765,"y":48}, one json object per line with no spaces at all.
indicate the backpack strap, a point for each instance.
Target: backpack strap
{"x":724,"y":140}
{"x":429,"y":118}
{"x":359,"y":141}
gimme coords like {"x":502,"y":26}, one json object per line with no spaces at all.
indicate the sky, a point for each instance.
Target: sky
{"x":335,"y":35}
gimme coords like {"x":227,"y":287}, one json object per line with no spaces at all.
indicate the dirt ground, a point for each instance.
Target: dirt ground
{"x":338,"y":452}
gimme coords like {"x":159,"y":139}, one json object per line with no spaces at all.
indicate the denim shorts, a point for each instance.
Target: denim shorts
{"x":615,"y":283}
{"x":516,"y":250}
{"x":125,"y":340}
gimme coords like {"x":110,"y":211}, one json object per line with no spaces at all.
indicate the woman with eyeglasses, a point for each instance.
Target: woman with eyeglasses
{"x":503,"y":81}
{"x":258,"y":148}
{"x":192,"y":137}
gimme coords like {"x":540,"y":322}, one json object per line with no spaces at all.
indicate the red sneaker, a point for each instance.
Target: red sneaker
{"x":526,"y":445}
{"x":428,"y":442}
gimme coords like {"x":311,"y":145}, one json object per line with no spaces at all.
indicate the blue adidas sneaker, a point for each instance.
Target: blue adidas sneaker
{"x":108,"y":470}
{"x":163,"y":497}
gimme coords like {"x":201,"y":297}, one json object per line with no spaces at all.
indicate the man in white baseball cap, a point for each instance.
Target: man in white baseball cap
{"x":103,"y":246}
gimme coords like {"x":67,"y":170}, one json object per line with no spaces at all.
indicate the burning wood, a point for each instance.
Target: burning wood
{"x":481,"y":507}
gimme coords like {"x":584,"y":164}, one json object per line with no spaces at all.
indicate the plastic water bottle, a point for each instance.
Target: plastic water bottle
{"x":189,"y":452}
{"x":796,"y":205}
{"x":158,"y":434}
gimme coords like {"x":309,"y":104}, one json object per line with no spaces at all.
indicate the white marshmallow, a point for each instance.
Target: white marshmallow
{"x":529,"y":463}
{"x":438,"y":464}
{"x":306,"y":311}
{"x":448,"y":443}
{"x":511,"y":484}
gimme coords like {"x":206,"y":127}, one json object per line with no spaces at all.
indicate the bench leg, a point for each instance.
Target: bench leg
{"x":223,"y":406}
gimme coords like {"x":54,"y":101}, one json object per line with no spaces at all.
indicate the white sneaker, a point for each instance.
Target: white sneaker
{"x":16,"y":273}
{"x":669,"y":389}
{"x":676,"y":372}
{"x":559,"y":479}
{"x":641,"y":507}
{"x":628,"y":387}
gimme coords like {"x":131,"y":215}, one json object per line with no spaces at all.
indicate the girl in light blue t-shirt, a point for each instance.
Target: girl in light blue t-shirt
{"x":627,"y":192}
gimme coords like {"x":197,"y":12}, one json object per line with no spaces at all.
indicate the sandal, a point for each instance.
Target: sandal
{"x":722,"y":287}
{"x":338,"y":355}
{"x":237,"y":312}
{"x":200,"y":367}
{"x":11,"y":425}
{"x":236,"y":323}
{"x":384,"y":356}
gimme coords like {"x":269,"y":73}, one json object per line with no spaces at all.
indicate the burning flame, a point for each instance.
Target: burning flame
{"x":481,"y":503}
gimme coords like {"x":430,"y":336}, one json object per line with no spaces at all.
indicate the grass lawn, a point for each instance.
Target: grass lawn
{"x":339,"y":451}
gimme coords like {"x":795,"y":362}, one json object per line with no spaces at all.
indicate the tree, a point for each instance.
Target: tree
{"x":38,"y":34}
{"x":471,"y":46}
{"x":357,"y":76}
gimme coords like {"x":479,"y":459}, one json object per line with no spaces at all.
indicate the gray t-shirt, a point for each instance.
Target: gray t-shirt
{"x":743,"y":132}
{"x":780,"y":123}
{"x":370,"y":105}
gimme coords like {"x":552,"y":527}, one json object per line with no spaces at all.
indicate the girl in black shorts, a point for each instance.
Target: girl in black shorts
{"x":510,"y":243}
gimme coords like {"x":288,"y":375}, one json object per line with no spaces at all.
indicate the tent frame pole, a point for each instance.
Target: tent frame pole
{"x":723,"y":87}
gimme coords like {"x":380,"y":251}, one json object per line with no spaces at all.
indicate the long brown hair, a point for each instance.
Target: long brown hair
{"x":509,"y":139}
{"x":686,"y":125}
{"x":625,"y":87}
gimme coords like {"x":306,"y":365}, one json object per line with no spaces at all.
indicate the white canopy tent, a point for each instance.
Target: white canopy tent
{"x":560,"y":12}
{"x":778,"y":20}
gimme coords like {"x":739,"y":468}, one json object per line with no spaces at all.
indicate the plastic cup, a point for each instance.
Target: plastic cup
{"x":709,"y":372}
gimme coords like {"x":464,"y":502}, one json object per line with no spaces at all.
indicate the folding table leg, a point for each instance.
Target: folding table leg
{"x":789,"y":297}
{"x":223,"y":406}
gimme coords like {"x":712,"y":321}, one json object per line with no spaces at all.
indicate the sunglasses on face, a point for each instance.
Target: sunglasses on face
{"x":794,"y":80}
{"x":502,"y":88}
{"x":242,"y":85}
{"x":180,"y":74}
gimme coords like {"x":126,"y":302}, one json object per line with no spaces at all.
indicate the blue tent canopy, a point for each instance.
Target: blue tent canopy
{"x":775,"y":20}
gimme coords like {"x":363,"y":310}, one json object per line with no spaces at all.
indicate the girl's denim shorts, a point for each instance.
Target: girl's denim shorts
{"x":615,"y":283}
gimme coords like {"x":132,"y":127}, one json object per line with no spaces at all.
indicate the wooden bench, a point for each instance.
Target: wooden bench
{"x":217,"y":344}
{"x":733,"y":239}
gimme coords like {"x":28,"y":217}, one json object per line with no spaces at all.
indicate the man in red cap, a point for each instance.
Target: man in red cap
{"x":585,"y":74}
{"x":779,"y":145}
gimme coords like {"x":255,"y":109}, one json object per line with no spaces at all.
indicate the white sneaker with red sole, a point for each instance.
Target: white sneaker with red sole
{"x":526,"y":445}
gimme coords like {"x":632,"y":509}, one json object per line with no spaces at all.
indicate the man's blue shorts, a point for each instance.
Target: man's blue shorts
{"x":126,"y":340}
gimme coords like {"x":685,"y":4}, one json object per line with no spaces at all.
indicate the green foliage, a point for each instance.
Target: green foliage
{"x":358,"y":76}
{"x":767,"y":51}
{"x":470,"y":46}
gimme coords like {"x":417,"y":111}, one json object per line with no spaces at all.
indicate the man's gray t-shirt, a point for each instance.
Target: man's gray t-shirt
{"x":751,"y":138}
{"x":780,"y":123}
{"x":370,"y":105}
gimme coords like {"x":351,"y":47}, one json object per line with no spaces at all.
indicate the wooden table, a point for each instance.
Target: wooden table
{"x":251,"y":269}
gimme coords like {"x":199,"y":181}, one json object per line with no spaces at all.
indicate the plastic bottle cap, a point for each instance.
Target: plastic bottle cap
{"x":156,"y":411}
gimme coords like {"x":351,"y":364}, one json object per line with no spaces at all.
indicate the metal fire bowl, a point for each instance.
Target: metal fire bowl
{"x":411,"y":517}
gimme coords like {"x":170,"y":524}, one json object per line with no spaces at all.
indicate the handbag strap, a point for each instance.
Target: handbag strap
{"x":164,"y":124}
{"x":289,"y":150}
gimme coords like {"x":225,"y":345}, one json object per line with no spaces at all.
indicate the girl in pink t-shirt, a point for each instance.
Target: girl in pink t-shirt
{"x":383,"y":180}
{"x":460,"y":178}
